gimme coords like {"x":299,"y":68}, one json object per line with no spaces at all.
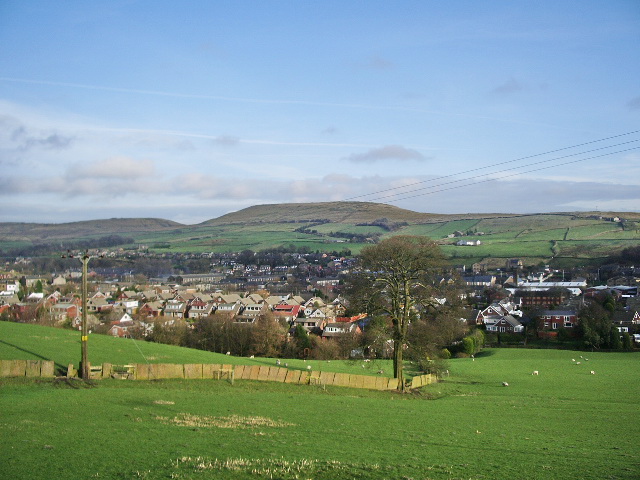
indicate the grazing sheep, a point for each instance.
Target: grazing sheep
{"x":592,"y":372}
{"x":251,"y":356}
{"x":308,"y":367}
{"x":535,"y":372}
{"x":286,"y":365}
{"x":228,"y":353}
{"x":505,"y":384}
{"x":577,"y":363}
{"x":380,"y":372}
{"x":573,"y":359}
{"x":278,"y":362}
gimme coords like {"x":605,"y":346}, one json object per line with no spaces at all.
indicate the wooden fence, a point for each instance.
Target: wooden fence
{"x":157,"y":371}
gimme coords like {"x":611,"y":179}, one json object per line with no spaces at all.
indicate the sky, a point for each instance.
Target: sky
{"x":189,"y":110}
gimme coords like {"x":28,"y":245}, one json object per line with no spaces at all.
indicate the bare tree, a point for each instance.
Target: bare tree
{"x":401,"y":278}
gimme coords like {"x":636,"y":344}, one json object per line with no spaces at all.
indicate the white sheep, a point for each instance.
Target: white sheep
{"x":505,"y":384}
{"x":228,"y":353}
{"x":535,"y":372}
{"x":278,"y":362}
{"x":380,"y":372}
{"x":593,"y":372}
{"x":251,"y":356}
{"x":308,"y":367}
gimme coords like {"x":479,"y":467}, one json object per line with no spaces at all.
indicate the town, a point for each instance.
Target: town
{"x":302,"y":294}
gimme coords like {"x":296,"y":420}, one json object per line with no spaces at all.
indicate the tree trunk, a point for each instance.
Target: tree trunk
{"x":397,"y":363}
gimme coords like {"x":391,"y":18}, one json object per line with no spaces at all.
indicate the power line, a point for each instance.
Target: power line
{"x":513,"y":168}
{"x":507,"y":176}
{"x":497,"y":165}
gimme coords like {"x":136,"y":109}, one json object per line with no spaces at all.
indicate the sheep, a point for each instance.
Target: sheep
{"x":308,"y":367}
{"x":535,"y":372}
{"x":228,"y":353}
{"x":505,"y":384}
{"x":573,"y":359}
{"x":380,"y":372}
{"x":251,"y":356}
{"x":278,"y":362}
{"x":286,"y":365}
{"x":593,"y":372}
{"x":577,"y":363}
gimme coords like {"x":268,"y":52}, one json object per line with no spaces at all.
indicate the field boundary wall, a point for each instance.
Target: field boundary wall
{"x":161,"y":371}
{"x":27,"y":368}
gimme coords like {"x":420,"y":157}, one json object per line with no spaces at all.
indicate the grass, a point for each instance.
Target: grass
{"x":562,"y":424}
{"x":20,"y":341}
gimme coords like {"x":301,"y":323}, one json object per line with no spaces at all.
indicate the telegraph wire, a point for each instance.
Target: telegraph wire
{"x":390,"y":197}
{"x":497,"y":165}
{"x":500,"y":178}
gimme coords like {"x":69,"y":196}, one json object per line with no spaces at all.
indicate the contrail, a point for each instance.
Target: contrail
{"x":398,"y":108}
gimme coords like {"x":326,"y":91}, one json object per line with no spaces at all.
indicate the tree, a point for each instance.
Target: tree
{"x":400,"y":278}
{"x":595,"y":326}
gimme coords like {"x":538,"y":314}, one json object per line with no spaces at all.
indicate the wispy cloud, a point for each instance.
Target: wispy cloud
{"x":114,"y":167}
{"x":388,"y":152}
{"x":19,"y":137}
{"x":510,"y":86}
{"x":634,"y":103}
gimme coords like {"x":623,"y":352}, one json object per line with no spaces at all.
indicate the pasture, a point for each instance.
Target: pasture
{"x":564,"y":423}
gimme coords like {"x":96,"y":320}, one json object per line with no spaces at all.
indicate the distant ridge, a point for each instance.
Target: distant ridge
{"x":52,"y":231}
{"x":350,"y":213}
{"x":335,"y":212}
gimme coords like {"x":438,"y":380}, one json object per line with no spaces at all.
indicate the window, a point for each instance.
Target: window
{"x":555,"y":326}
{"x":568,"y":325}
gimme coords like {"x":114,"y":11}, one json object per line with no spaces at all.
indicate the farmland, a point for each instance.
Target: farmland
{"x":562,"y":239}
{"x":565,"y":423}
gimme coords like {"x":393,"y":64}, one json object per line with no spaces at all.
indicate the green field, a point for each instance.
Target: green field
{"x":562,"y":424}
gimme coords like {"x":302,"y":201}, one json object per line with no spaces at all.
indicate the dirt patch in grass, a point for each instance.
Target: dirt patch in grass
{"x":231,"y":421}
{"x":278,"y":468}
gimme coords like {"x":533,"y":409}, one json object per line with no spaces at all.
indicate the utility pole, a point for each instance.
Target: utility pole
{"x":84,"y":363}
{"x":84,"y":339}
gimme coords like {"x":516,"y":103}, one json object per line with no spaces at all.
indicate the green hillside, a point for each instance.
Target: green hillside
{"x":563,"y":239}
{"x":563,"y":424}
{"x":19,"y":341}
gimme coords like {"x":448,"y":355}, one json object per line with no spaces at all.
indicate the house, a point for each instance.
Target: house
{"x":121,"y":328}
{"x":505,"y":324}
{"x":337,"y":329}
{"x":468,"y":243}
{"x":199,"y":308}
{"x":627,"y":321}
{"x":251,"y":312}
{"x":497,"y":310}
{"x":151,"y":309}
{"x":229,"y":310}
{"x":97,"y":305}
{"x":313,"y":325}
{"x":555,"y":319}
{"x":287,"y":313}
{"x":176,"y":308}
{"x":63,"y":311}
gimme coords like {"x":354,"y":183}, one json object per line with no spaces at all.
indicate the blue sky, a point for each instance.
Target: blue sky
{"x":190,"y":110}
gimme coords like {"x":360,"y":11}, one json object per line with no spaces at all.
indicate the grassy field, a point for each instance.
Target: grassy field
{"x":581,"y":238}
{"x":562,"y":424}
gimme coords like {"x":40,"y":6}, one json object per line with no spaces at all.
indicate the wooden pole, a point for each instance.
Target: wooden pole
{"x":85,"y":330}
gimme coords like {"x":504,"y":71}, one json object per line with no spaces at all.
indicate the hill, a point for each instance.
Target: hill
{"x":565,"y":239}
{"x":335,"y":212}
{"x":51,"y":232}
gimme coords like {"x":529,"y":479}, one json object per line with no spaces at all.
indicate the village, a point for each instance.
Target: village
{"x":306,"y":293}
